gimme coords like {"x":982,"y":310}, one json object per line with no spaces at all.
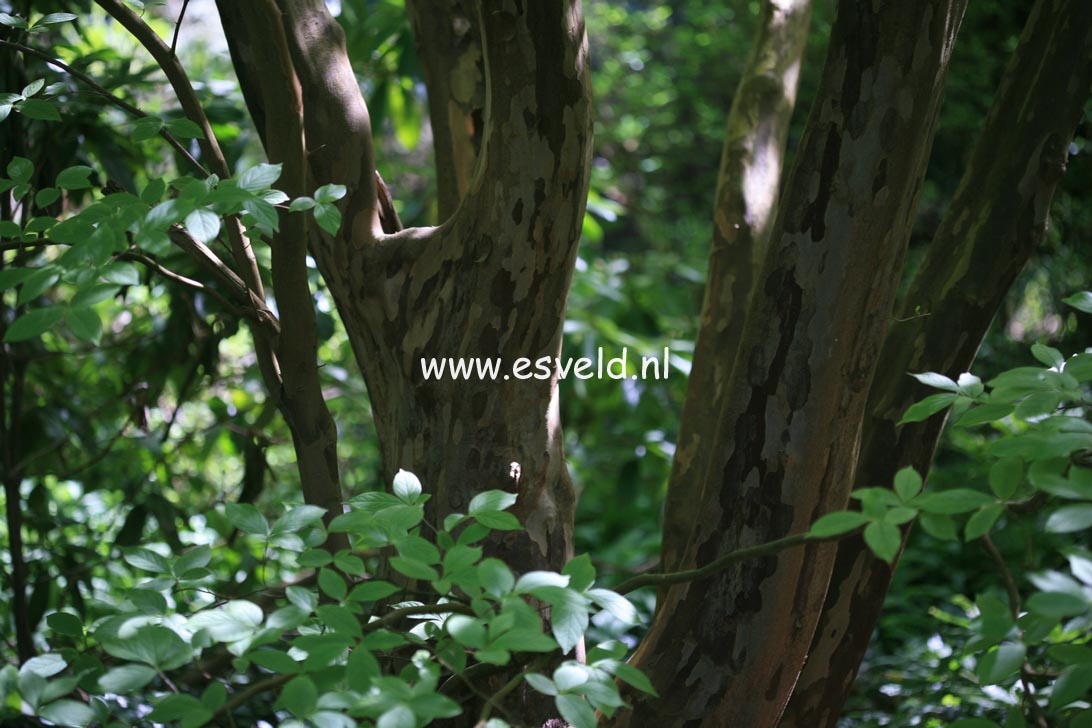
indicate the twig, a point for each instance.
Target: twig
{"x":178,"y":26}
{"x":508,"y":687}
{"x":1014,"y":610}
{"x":750,"y":552}
{"x":120,"y":103}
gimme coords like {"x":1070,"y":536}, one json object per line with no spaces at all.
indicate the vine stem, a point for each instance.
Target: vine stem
{"x":750,"y":552}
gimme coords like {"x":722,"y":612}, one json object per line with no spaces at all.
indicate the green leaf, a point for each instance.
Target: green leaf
{"x":85,"y":324}
{"x":907,"y":483}
{"x":328,"y":217}
{"x":619,"y":607}
{"x":940,"y":527}
{"x":570,"y":675}
{"x":39,"y":109}
{"x":951,"y":502}
{"x":371,"y":591}
{"x":491,"y":500}
{"x":927,"y":407}
{"x":34,"y":323}
{"x":175,"y":707}
{"x":498,"y":520}
{"x":406,"y":486}
{"x":153,"y":645}
{"x":54,"y":18}
{"x":629,"y":674}
{"x":259,"y":177}
{"x":64,"y":623}
{"x":20,"y":169}
{"x":495,"y":577}
{"x":67,"y":712}
{"x":1057,"y":604}
{"x":1047,"y":355}
{"x":418,"y":549}
{"x":145,"y":128}
{"x":982,"y":521}
{"x":298,"y":518}
{"x":184,"y":129}
{"x":398,"y":716}
{"x":13,"y":21}
{"x":413,"y":568}
{"x":74,"y":178}
{"x":232,"y":622}
{"x":936,"y":381}
{"x":1074,"y":683}
{"x":330,"y":193}
{"x":363,"y":668}
{"x":146,"y":560}
{"x":541,"y":683}
{"x":332,"y":585}
{"x":580,"y":570}
{"x":46,"y":665}
{"x":1000,"y":663}
{"x":203,"y":224}
{"x":1006,"y":477}
{"x":301,"y":597}
{"x":576,"y":710}
{"x":1069,"y":519}
{"x":535,"y":579}
{"x":984,"y":413}
{"x":1081,"y":301}
{"x":301,"y":203}
{"x":884,"y":539}
{"x":126,"y":678}
{"x":467,"y":631}
{"x":568,"y":618}
{"x":299,"y":696}
{"x":247,"y":519}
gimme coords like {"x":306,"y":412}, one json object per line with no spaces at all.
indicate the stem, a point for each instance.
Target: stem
{"x":178,"y":26}
{"x":120,"y":103}
{"x":508,"y":687}
{"x":717,"y":565}
{"x":1014,"y":609}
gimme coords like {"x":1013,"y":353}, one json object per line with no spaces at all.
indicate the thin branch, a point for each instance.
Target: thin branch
{"x":120,"y":103}
{"x":499,"y":696}
{"x":178,"y":26}
{"x":713,"y":567}
{"x":170,"y":275}
{"x":210,"y":147}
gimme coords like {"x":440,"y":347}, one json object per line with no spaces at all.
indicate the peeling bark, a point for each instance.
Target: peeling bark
{"x":786,"y":433}
{"x":997,"y":217}
{"x":746,"y":199}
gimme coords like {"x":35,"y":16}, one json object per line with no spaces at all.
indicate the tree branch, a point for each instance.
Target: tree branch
{"x":120,"y":103}
{"x":720,"y":564}
{"x":210,"y":147}
{"x":995,"y":220}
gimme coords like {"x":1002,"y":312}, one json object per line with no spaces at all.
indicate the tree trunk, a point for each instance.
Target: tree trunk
{"x":491,"y":282}
{"x":781,"y":442}
{"x":997,"y":217}
{"x":747,"y":190}
{"x":449,"y":46}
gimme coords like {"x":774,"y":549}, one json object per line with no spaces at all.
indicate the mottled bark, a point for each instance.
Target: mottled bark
{"x":747,"y":191}
{"x":448,"y":36}
{"x":997,"y":217}
{"x":727,"y":650}
{"x":491,"y":282}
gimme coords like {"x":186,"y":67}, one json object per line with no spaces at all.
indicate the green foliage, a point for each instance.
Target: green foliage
{"x":352,"y":645}
{"x":1028,"y":636}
